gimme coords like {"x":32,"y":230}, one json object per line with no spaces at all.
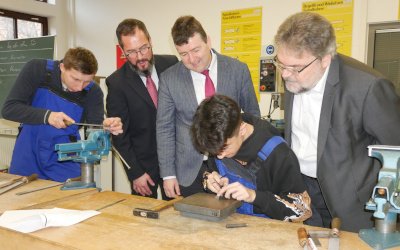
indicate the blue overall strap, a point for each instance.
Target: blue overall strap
{"x":49,"y":70}
{"x":245,"y":208}
{"x":269,"y":146}
{"x":49,"y":65}
{"x":89,"y":86}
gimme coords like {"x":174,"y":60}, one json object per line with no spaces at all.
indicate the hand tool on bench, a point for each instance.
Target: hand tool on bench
{"x":50,"y":186}
{"x":305,"y":240}
{"x":312,"y":236}
{"x":154,"y":212}
{"x":111,"y":204}
{"x":7,"y":182}
{"x":19,"y":182}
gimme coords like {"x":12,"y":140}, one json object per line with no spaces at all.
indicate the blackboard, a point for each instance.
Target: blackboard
{"x":15,"y":53}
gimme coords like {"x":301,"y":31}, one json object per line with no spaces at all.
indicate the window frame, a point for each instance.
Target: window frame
{"x":26,"y":17}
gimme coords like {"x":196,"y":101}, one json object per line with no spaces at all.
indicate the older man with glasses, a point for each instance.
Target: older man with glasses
{"x":132,"y":94}
{"x":335,"y":107}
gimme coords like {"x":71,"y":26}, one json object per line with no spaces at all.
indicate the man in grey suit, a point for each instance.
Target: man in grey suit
{"x":182,"y":88}
{"x":335,"y":107}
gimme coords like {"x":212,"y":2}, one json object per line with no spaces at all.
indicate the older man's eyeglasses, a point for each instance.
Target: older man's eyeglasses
{"x":134,"y":53}
{"x":291,"y":69}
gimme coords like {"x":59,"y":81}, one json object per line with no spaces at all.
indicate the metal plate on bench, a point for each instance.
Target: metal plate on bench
{"x":207,"y":207}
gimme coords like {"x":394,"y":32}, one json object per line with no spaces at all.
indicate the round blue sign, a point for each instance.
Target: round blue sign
{"x":270,"y":49}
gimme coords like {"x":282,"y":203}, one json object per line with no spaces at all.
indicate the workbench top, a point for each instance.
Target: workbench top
{"x":11,"y":201}
{"x":117,"y":228}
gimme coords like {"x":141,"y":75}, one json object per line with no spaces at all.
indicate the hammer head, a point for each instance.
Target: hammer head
{"x":145,"y":213}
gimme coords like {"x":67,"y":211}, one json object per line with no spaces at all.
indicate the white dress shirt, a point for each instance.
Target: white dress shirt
{"x":154,"y":77}
{"x":305,"y":125}
{"x":199,"y":80}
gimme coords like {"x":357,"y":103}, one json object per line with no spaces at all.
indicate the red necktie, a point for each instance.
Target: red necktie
{"x":210,"y":89}
{"x":151,"y":87}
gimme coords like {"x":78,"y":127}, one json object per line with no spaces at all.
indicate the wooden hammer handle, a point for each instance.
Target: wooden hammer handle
{"x":166,"y":204}
{"x":335,"y":225}
{"x":29,"y":178}
{"x":303,"y":236}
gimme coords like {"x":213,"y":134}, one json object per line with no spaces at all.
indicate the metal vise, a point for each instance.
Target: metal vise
{"x":385,"y":199}
{"x":87,"y":152}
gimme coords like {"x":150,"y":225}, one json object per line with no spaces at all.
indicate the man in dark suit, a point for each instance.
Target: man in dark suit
{"x":182,"y":88}
{"x":132,"y":94}
{"x":335,"y":106}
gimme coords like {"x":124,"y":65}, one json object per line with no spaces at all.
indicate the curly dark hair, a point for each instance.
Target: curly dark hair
{"x":216,"y":120}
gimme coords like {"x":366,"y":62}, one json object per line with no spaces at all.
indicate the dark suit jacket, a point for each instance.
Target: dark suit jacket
{"x":129,"y":99}
{"x":359,"y":108}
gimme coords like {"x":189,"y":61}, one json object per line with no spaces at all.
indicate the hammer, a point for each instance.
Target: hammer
{"x":306,"y":239}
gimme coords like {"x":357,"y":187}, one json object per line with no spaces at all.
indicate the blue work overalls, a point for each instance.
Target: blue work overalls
{"x":34,"y":148}
{"x":250,"y":180}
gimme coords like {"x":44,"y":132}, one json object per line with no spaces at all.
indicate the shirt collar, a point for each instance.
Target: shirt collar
{"x":320,"y":86}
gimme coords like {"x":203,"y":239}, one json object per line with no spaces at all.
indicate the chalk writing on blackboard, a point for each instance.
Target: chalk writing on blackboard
{"x":15,"y":53}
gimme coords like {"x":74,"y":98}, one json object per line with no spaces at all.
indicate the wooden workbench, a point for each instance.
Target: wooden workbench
{"x":11,"y":201}
{"x":117,"y":228}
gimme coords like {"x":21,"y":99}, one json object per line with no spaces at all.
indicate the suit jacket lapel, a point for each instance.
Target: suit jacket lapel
{"x":188,"y":86}
{"x":288,"y":116}
{"x":137,"y":85}
{"x":222,"y":75}
{"x":327,"y":105}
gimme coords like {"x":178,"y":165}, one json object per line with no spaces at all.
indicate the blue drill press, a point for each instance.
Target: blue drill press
{"x":385,"y":199}
{"x":87,"y":152}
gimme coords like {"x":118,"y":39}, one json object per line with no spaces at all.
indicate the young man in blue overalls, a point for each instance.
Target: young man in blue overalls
{"x":253,"y":163}
{"x":45,"y":96}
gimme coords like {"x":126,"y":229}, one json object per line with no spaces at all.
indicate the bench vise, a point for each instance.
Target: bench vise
{"x":385,"y":199}
{"x":87,"y":152}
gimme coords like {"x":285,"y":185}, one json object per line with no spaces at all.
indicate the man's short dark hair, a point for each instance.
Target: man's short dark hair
{"x":129,"y":27}
{"x":217,"y":119}
{"x":186,"y":27}
{"x":80,"y":59}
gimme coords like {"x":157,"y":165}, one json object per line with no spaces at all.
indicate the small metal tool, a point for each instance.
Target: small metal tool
{"x":305,"y":239}
{"x":235,"y":225}
{"x":6,"y":183}
{"x":111,"y":204}
{"x":38,"y":189}
{"x":50,"y":186}
{"x":310,"y":238}
{"x":68,"y":123}
{"x":18,"y":183}
{"x":153,"y":213}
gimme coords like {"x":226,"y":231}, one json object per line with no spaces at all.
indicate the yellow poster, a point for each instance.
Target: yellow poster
{"x":241,"y":39}
{"x":340,"y":14}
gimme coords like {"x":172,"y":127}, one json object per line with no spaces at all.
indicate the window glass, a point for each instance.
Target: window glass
{"x":6,"y":28}
{"x":27,"y":29}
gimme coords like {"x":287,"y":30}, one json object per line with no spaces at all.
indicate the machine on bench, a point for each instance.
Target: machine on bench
{"x":87,"y":152}
{"x":385,"y":199}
